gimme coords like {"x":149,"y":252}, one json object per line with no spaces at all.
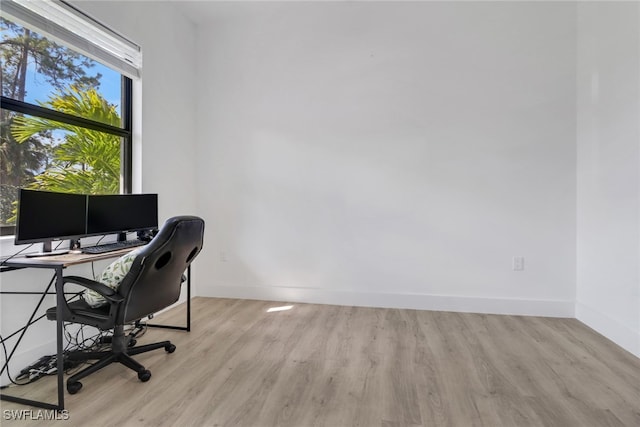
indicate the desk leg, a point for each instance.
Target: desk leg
{"x":189,"y":298}
{"x":59,"y":324}
{"x":60,"y":362}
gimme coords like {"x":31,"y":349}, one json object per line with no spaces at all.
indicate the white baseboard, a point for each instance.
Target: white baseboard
{"x":615,"y":331}
{"x":524,"y":307}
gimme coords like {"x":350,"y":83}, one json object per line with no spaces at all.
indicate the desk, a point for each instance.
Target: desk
{"x":58,"y":263}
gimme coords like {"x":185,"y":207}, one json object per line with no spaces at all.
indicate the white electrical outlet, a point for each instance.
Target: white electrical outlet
{"x":518,"y":263}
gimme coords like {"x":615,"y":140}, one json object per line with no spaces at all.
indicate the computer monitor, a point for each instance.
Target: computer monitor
{"x":44,"y":216}
{"x":120,"y":213}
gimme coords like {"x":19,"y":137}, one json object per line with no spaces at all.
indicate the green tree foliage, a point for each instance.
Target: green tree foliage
{"x":86,"y":161}
{"x":18,"y":164}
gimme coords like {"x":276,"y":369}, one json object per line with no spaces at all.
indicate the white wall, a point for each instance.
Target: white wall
{"x":164,"y":137}
{"x":390,"y":154}
{"x":608,"y":215}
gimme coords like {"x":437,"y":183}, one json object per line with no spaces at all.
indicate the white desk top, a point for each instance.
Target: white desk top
{"x":63,"y":260}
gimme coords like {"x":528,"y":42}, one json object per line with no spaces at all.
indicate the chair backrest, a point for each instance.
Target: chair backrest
{"x":154,"y":280}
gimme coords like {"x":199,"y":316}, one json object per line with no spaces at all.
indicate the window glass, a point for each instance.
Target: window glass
{"x":39,"y":149}
{"x":36,"y":70}
{"x":48,"y":155}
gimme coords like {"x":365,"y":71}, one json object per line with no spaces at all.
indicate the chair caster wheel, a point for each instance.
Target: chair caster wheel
{"x":144,"y":375}
{"x":73,"y":388}
{"x":132,"y":343}
{"x":170,"y":348}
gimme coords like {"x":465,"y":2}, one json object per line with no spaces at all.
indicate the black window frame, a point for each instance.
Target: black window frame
{"x":125,"y":132}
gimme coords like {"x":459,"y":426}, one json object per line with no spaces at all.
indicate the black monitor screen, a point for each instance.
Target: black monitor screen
{"x":121,"y":212}
{"x":44,"y":216}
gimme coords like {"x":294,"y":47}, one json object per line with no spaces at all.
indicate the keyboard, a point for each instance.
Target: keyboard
{"x":110,"y":247}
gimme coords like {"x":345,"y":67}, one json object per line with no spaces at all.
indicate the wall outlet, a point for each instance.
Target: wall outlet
{"x":518,"y":263}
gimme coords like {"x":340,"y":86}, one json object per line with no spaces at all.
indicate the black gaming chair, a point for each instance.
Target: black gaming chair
{"x":152,"y":284}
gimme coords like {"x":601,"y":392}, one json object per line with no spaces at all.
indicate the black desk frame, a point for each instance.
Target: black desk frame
{"x":59,"y":266}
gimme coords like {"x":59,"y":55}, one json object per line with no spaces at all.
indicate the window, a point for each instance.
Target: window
{"x":65,"y":118}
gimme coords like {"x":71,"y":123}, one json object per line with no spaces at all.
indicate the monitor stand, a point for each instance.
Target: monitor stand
{"x":46,"y":251}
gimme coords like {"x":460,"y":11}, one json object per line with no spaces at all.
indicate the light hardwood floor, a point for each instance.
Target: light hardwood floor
{"x":322,"y":365}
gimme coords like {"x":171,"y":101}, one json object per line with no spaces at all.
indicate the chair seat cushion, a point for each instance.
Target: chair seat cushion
{"x":111,"y":276}
{"x":81,"y":308}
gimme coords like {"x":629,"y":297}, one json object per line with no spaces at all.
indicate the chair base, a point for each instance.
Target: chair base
{"x":120,"y":353}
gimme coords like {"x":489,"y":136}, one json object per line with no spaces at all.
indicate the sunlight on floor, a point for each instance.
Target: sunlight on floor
{"x":281,"y":308}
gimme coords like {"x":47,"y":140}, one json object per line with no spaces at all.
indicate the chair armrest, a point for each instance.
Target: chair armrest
{"x":108,"y":293}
